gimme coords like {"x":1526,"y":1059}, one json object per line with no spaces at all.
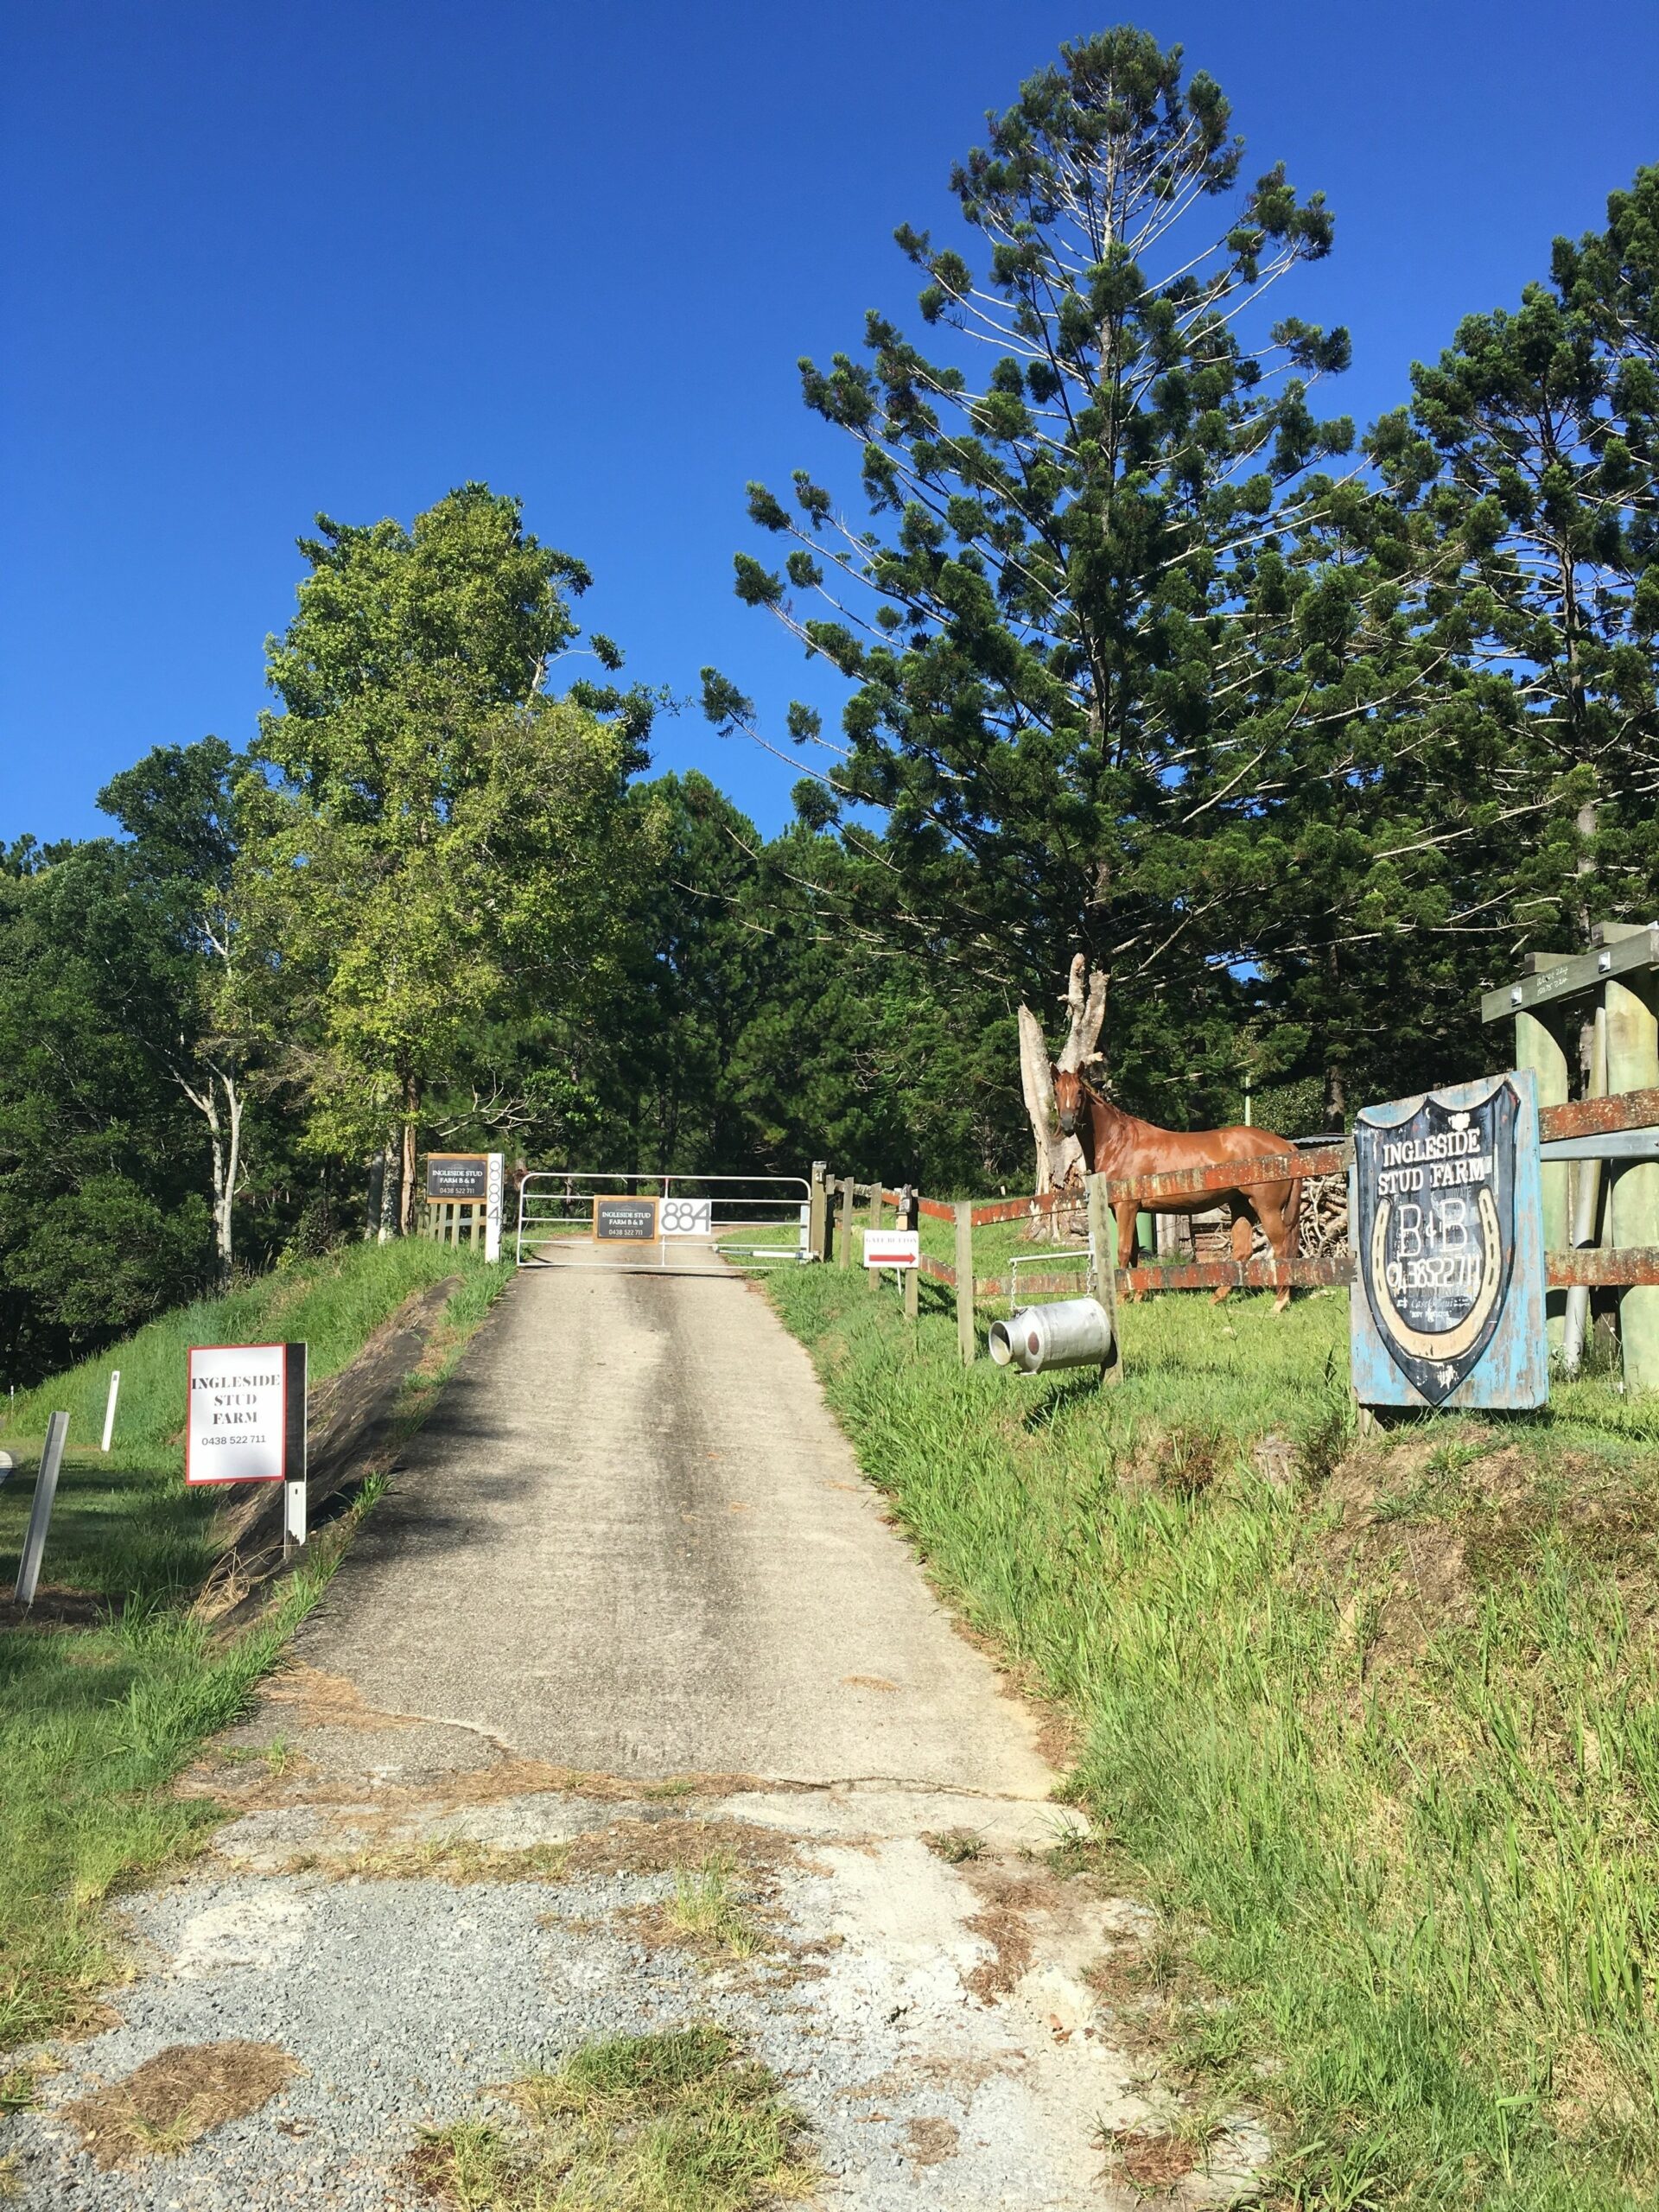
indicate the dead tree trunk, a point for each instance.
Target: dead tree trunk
{"x":409,"y":1156}
{"x":1059,"y":1159}
{"x":224,"y":1142}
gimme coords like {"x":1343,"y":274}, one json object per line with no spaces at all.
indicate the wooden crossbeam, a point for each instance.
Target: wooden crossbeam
{"x":1575,"y":972}
{"x":1602,"y":1268}
{"x":1593,"y":1118}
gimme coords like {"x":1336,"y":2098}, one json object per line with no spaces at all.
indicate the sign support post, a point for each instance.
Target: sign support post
{"x":910,"y":1217}
{"x":294,"y":1461}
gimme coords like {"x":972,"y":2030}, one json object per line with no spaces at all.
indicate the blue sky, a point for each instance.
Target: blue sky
{"x":263,"y":260}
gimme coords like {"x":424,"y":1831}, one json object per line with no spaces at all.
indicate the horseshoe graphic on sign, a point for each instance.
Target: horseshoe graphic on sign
{"x":1449,"y":1344}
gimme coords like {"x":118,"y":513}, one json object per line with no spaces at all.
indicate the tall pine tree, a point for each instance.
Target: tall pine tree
{"x":1059,"y":628}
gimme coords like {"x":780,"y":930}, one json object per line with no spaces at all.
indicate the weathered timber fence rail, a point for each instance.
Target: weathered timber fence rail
{"x":455,"y":1221}
{"x":835,"y":1198}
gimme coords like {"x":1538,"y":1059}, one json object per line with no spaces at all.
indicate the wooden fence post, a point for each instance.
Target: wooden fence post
{"x":1633,"y":1209}
{"x":1102,"y":1269}
{"x":967,"y":1335}
{"x":910,"y":1217}
{"x":1587,"y":1206}
{"x":844,"y":1257}
{"x":873,"y":1275}
{"x":817,"y":1206}
{"x":1537,"y":1047}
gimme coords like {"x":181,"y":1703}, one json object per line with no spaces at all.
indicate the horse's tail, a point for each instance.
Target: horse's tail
{"x":1293,"y":1203}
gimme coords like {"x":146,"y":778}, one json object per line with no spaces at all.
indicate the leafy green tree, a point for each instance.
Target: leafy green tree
{"x":1528,"y":455}
{"x":179,"y":807}
{"x":1350,"y":909}
{"x":1056,"y":629}
{"x":102,"y":1218}
{"x":858,"y":1049}
{"x":444,"y":846}
{"x":704,"y":959}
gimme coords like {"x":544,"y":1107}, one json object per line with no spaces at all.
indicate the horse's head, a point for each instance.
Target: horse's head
{"x":1068,"y":1097}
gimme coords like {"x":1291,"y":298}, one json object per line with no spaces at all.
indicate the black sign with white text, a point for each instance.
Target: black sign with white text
{"x":625,"y":1221}
{"x":457,"y":1175}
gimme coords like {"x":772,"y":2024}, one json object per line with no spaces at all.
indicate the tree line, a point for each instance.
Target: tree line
{"x":1300,"y":734}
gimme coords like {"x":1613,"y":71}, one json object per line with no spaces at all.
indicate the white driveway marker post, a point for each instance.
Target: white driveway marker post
{"x":109,"y":1410}
{"x":39,"y":1514}
{"x":493,"y":1207}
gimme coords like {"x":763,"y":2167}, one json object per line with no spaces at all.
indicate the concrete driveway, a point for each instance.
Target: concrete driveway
{"x":629,"y":1620}
{"x":632,"y":1541}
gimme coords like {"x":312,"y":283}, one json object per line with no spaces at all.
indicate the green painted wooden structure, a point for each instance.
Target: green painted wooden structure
{"x":1609,"y":995}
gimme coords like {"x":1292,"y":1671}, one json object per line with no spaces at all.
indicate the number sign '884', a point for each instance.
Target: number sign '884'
{"x":1447,"y":1205}
{"x":686,"y":1218}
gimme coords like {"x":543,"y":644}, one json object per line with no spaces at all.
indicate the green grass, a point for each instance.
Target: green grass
{"x":707,"y":1908}
{"x":662,"y":2123}
{"x":1382,"y":1742}
{"x":95,"y":1722}
{"x":331,"y":1305}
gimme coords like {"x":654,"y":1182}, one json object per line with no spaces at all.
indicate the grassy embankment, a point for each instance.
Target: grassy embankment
{"x":96,"y":1720}
{"x":1376,"y":1726}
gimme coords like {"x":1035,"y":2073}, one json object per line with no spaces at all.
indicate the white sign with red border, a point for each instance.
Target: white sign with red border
{"x":892,"y":1248}
{"x":238,"y":1426}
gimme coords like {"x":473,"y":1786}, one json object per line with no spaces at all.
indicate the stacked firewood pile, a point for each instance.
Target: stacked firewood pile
{"x":1322,"y":1230}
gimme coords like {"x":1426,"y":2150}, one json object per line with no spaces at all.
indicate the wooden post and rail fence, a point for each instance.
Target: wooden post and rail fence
{"x":455,"y":1221}
{"x":1625,"y":1265}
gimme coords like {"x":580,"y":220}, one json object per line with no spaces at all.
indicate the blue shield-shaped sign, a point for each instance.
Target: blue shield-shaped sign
{"x":1445,"y":1210}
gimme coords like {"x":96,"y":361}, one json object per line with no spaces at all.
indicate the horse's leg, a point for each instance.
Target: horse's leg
{"x":1126,"y":1244}
{"x":1281,"y":1235}
{"x":1243,"y":1237}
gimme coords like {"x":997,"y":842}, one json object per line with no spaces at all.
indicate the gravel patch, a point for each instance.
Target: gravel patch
{"x":406,"y":2003}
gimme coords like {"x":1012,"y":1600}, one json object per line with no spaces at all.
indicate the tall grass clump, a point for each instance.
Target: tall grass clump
{"x":90,"y":1738}
{"x":1378,"y":1725}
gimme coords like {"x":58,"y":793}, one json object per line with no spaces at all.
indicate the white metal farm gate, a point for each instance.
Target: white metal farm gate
{"x":662,"y":1224}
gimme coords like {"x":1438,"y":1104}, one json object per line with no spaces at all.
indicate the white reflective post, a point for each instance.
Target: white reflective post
{"x":109,"y":1410}
{"x":492,"y":1206}
{"x":40,"y":1514}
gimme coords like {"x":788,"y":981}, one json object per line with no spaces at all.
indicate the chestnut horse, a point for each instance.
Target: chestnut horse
{"x":1117,"y":1144}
